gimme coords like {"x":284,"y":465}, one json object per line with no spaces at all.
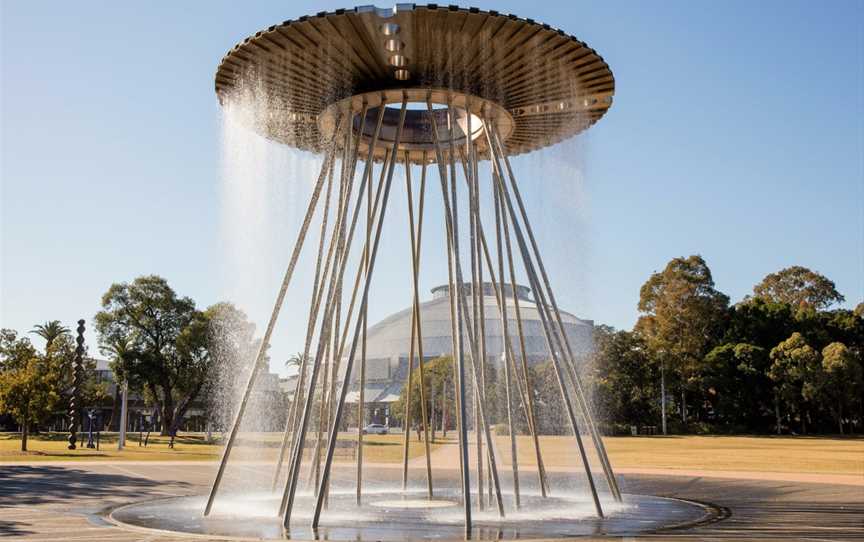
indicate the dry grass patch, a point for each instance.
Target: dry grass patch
{"x":723,"y":453}
{"x":189,"y":446}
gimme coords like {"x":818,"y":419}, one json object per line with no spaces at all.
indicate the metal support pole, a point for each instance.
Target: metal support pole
{"x":476,"y":352}
{"x":354,"y":343}
{"x":417,"y":328}
{"x":478,"y":339}
{"x":317,"y":289}
{"x":663,"y":397}
{"x":570,"y":358}
{"x":287,"y":502}
{"x":505,"y":332}
{"x":526,"y":375}
{"x":560,"y":376}
{"x":367,"y":174}
{"x":406,"y":424}
{"x":293,"y":418}
{"x":371,"y":213}
{"x":524,"y":393}
{"x":318,"y":293}
{"x":456,"y":324}
{"x":452,"y":233}
{"x":124,"y":413}
{"x":262,"y":350}
{"x":348,"y":171}
{"x":416,"y":282}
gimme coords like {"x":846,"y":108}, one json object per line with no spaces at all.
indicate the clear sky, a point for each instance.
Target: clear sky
{"x":736,"y":133}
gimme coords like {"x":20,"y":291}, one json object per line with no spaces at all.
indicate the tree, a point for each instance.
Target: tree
{"x":29,"y":383}
{"x":168,"y":337}
{"x":760,"y":322}
{"x":625,"y":380}
{"x":859,"y":310}
{"x":683,"y":318}
{"x":549,"y":408}
{"x":735,"y":378}
{"x":799,"y":287}
{"x":50,"y":331}
{"x":121,"y":356}
{"x":232,"y":349}
{"x":842,"y":384}
{"x":295,"y":361}
{"x":439,"y":391}
{"x":91,"y":390}
{"x":795,"y":370}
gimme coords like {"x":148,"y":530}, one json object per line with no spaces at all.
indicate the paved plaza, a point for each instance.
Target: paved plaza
{"x":67,"y":501}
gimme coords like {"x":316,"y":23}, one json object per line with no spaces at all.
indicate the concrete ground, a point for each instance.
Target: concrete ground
{"x":63,"y":501}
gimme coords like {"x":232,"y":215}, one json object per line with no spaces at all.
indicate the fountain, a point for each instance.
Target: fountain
{"x":448,"y":95}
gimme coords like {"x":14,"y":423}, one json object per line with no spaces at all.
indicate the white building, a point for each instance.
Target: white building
{"x":388,"y":341}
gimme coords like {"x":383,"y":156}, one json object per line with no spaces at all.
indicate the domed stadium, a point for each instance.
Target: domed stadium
{"x":389,"y":341}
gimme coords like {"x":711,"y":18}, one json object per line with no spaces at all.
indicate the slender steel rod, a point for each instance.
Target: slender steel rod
{"x":371,"y":213}
{"x":406,"y":429}
{"x":462,"y":308}
{"x":290,"y":420}
{"x":480,"y":317}
{"x":318,"y":291}
{"x":524,"y":394}
{"x":406,"y":433}
{"x":274,"y":316}
{"x":529,"y":268}
{"x":361,"y":273}
{"x":415,"y":247}
{"x":331,"y":358}
{"x":509,"y":356}
{"x":320,"y":359}
{"x":362,"y":393}
{"x":456,"y":325}
{"x":416,"y":328}
{"x":365,"y":300}
{"x":523,"y":351}
{"x":343,"y":250}
{"x":288,"y":495}
{"x":580,"y":393}
{"x":478,"y":340}
{"x":508,"y":378}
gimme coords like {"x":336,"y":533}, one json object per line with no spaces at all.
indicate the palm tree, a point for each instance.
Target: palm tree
{"x":50,"y":331}
{"x":121,"y":353}
{"x":294,"y":361}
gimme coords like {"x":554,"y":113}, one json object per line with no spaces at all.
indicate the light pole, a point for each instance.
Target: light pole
{"x":663,"y":395}
{"x":124,"y":411}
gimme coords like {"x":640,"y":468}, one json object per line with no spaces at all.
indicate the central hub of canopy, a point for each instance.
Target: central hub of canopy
{"x":456,"y":117}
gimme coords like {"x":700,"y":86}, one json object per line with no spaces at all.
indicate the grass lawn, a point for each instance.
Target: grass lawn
{"x":766,"y":454}
{"x":187,"y":446}
{"x":739,"y":453}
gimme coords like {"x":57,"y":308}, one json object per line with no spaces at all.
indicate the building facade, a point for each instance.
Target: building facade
{"x":388,"y":341}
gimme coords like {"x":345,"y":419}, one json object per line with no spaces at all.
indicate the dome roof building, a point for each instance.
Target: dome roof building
{"x":389,"y":341}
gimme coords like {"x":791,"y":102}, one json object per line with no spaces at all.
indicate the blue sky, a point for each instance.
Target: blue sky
{"x":737,"y":133}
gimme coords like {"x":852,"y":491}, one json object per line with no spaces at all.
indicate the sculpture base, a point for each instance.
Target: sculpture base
{"x":396,"y":515}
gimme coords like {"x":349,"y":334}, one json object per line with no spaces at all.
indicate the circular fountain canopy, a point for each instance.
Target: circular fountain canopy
{"x":538,"y":84}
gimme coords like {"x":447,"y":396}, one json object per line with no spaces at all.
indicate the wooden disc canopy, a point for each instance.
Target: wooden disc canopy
{"x":536,"y":83}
